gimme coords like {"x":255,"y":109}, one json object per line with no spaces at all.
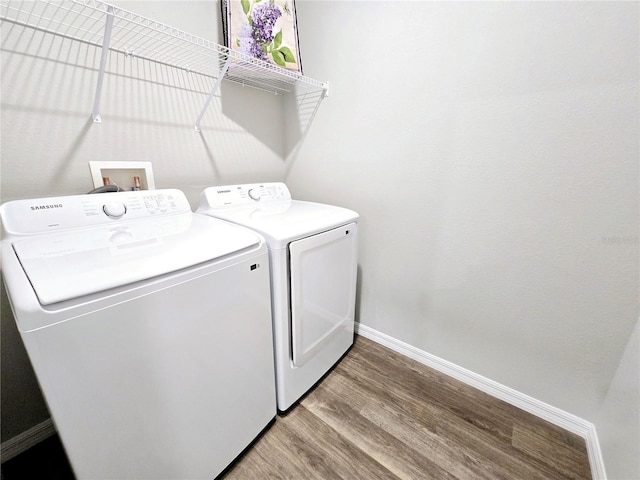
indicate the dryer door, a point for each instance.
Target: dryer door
{"x":323,"y":289}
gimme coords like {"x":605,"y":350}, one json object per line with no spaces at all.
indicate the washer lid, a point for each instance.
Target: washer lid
{"x":76,"y":262}
{"x":282,"y":222}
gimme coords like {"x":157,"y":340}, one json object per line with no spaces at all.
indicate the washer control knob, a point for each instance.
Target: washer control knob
{"x":254,"y":194}
{"x":114,"y":209}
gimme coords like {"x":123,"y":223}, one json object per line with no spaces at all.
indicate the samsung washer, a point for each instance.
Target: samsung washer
{"x":313,"y":259}
{"x":148,"y":327}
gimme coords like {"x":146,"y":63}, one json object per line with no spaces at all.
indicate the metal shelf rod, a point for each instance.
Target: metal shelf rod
{"x":108,"y":28}
{"x":215,"y":88}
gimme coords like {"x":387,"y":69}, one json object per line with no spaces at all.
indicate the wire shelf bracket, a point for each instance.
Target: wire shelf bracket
{"x":106,"y":42}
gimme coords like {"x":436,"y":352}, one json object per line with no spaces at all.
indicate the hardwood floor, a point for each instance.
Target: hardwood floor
{"x":380,"y":415}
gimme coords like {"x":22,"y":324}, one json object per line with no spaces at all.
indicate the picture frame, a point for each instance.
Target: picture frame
{"x":263,"y":29}
{"x":126,"y":175}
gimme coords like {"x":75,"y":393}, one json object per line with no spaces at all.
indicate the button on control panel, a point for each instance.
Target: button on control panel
{"x":254,"y":194}
{"x":114,"y":209}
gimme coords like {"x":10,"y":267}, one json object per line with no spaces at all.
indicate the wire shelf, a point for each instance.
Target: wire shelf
{"x":117,"y":30}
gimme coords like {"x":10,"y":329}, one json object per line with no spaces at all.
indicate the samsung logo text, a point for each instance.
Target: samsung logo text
{"x":46,"y":207}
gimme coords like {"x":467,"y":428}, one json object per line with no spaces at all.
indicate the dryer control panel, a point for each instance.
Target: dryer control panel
{"x":242,"y":195}
{"x":23,"y":217}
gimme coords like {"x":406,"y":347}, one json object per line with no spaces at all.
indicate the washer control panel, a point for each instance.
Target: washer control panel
{"x":242,"y":195}
{"x":56,"y":213}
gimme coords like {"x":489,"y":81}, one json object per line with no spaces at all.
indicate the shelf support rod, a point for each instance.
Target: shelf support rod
{"x":215,"y":88}
{"x":106,"y":44}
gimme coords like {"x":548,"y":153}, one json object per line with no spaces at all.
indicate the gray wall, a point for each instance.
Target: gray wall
{"x":491,"y":149}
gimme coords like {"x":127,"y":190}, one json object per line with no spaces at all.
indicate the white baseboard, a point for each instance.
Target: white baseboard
{"x":547,"y":412}
{"x":25,"y":440}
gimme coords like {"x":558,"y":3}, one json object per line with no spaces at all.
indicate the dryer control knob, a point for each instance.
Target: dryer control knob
{"x":254,"y":194}
{"x":114,"y":209}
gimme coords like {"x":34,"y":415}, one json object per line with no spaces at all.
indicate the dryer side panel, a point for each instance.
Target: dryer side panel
{"x":323,"y":290}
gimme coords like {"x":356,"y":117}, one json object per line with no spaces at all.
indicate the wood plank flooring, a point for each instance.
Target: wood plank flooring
{"x":380,"y":415}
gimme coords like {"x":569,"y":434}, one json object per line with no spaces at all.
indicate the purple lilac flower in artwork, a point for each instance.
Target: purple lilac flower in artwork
{"x":264,"y":17}
{"x":247,"y":44}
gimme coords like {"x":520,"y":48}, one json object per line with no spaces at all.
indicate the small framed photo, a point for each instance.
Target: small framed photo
{"x":263,"y":29}
{"x":126,"y":175}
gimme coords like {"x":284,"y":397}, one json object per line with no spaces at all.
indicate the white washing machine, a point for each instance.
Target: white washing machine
{"x":313,"y":258}
{"x":148,"y":327}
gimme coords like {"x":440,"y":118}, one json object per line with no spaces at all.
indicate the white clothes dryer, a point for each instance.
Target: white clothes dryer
{"x":148,"y":327}
{"x":313,"y":262}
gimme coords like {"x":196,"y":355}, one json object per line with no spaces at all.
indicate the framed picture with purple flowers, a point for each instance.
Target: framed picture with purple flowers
{"x":263,"y":29}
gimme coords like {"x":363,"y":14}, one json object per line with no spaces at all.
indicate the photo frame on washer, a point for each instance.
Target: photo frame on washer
{"x":266,"y":30}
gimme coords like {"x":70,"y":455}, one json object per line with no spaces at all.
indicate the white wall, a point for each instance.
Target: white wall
{"x":148,"y":112}
{"x":492,"y":152}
